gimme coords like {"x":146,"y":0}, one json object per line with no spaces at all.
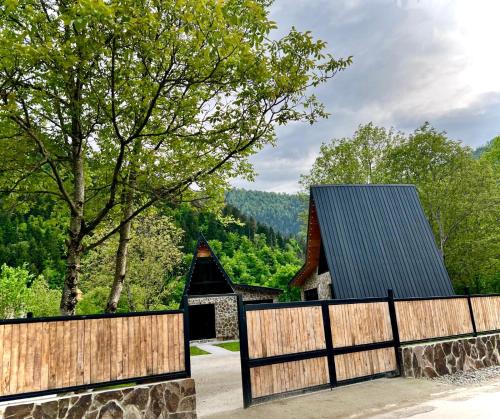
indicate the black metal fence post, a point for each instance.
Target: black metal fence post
{"x":329,"y":344}
{"x":471,"y":311}
{"x":187,"y":354}
{"x":394,"y":327}
{"x":244,"y":357}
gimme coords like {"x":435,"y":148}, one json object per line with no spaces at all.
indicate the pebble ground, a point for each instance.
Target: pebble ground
{"x":472,"y":377}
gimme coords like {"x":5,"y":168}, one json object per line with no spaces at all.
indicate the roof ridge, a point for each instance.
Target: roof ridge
{"x":358,"y":185}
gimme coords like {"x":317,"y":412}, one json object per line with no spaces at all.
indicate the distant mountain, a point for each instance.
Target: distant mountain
{"x":280,"y":211}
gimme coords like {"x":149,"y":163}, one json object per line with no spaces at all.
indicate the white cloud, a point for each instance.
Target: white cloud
{"x":414,"y":60}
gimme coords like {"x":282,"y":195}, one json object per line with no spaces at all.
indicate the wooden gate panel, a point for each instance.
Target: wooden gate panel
{"x":486,"y":312}
{"x":292,"y":347}
{"x":284,"y":331}
{"x":366,"y":363}
{"x":358,"y":324}
{"x":289,"y":376}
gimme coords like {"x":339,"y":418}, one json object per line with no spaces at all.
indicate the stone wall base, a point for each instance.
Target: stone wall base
{"x":435,"y":359}
{"x":166,"y":400}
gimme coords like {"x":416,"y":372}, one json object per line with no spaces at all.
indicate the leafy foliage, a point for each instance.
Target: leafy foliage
{"x":157,"y":101}
{"x":151,"y":283}
{"x":279,"y":211}
{"x":34,"y":237}
{"x":21,"y":293}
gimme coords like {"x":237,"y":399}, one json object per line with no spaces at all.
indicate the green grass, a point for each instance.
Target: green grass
{"x":230,"y":346}
{"x":195,"y":351}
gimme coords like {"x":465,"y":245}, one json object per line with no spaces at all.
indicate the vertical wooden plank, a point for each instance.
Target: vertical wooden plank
{"x":136,"y":346}
{"x":161,"y":343}
{"x":52,"y":354}
{"x":6,"y":360}
{"x":167,"y":366}
{"x":113,"y":348}
{"x":171,"y":342}
{"x":21,"y":359}
{"x":74,"y":373}
{"x":142,"y":356}
{"x":178,"y":342}
{"x":87,"y":353}
{"x":124,"y":348}
{"x":28,"y":357}
{"x":80,"y":351}
{"x":118,"y":339}
{"x":37,"y":356}
{"x":140,"y":360}
{"x":100,"y":348}
{"x":58,"y":344}
{"x":131,"y":347}
{"x":2,"y":327}
{"x":94,"y":352}
{"x":154,"y":344}
{"x":66,"y":343}
{"x":149,"y":346}
{"x":182,"y":358}
{"x":105,"y":348}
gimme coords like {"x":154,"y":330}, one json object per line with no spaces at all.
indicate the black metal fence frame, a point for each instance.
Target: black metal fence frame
{"x":330,"y":352}
{"x":186,"y":373}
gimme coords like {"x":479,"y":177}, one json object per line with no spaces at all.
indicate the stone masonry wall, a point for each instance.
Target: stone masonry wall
{"x":167,"y":400}
{"x":253,"y":295}
{"x":322,"y":282}
{"x":435,"y":359}
{"x":226,"y":314}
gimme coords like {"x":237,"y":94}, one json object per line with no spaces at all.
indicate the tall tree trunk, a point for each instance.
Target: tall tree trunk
{"x":122,"y":251}
{"x":74,"y":245}
{"x":69,"y":297}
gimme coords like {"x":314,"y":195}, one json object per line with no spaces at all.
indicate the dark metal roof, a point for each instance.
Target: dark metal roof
{"x":376,"y":237}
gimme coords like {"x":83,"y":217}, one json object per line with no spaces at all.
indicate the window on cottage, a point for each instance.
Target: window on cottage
{"x":323,"y":264}
{"x":311,"y":295}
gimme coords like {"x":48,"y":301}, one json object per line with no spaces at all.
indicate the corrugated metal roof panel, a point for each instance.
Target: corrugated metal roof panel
{"x":377,"y":237}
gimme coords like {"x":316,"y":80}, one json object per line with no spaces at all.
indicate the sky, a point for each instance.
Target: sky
{"x":413,"y":61}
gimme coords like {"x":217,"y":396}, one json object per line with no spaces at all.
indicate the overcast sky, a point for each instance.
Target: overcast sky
{"x":413,"y":61}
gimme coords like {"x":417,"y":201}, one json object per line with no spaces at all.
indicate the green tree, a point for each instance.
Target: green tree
{"x":176,"y":95}
{"x":453,"y":186}
{"x":32,"y":233}
{"x":153,"y":275}
{"x":459,"y":193}
{"x":491,"y":154}
{"x":21,"y":293}
{"x":353,"y":160}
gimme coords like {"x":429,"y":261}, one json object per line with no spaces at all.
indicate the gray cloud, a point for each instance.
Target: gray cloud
{"x":410,"y":65}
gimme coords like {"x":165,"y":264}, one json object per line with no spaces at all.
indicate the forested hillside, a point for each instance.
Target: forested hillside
{"x":280,"y":211}
{"x":32,"y":258}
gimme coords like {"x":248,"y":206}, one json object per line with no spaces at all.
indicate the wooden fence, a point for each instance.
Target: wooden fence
{"x":38,"y":356}
{"x":292,"y":347}
{"x":295,"y":347}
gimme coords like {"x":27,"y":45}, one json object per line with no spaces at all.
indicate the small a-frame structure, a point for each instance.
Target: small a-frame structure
{"x":212,"y":296}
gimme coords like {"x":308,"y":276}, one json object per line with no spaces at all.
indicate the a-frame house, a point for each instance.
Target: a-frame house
{"x":212,"y":296}
{"x":365,"y":239}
